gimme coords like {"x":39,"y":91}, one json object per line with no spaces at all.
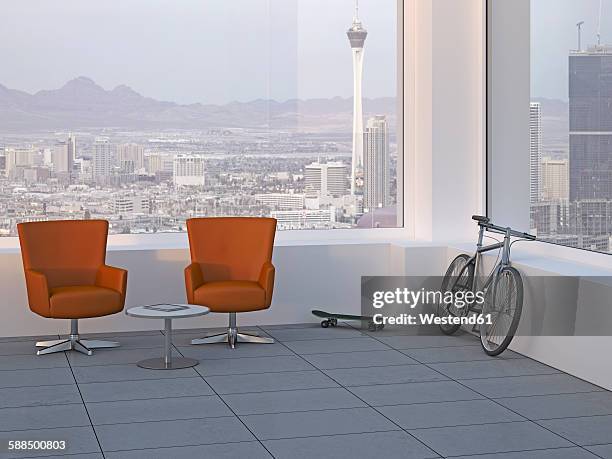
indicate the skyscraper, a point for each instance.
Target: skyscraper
{"x":60,"y":157}
{"x":590,"y":113}
{"x":102,"y":160}
{"x":130,"y":156}
{"x":357,"y":35}
{"x":376,"y":171}
{"x":555,"y":181}
{"x":188,"y":170}
{"x":72,"y":153}
{"x":326,"y":179}
{"x":535,"y":151}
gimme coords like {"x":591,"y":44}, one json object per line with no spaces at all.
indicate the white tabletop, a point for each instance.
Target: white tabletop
{"x":167,"y":311}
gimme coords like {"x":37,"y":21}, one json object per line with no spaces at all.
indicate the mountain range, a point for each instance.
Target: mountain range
{"x":81,"y":103}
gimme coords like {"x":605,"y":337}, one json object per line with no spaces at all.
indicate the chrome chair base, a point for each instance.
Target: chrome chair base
{"x":73,"y":343}
{"x":233,"y":337}
{"x":84,"y":346}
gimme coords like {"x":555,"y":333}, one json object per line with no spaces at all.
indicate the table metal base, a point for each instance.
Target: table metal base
{"x":168,"y":361}
{"x":159,"y":363}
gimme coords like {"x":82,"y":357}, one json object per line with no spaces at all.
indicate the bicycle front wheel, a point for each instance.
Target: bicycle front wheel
{"x":459,"y":277}
{"x":502,"y":311}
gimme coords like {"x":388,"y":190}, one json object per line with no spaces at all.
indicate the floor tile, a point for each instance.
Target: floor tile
{"x":130,"y":341}
{"x":493,"y":368}
{"x":326,"y":346}
{"x":418,"y":392}
{"x":167,"y":409}
{"x":359,"y":359}
{"x":270,"y":382}
{"x":163,"y":434}
{"x":558,"y":453}
{"x":448,"y":414}
{"x":515,"y":386}
{"x":39,"y":396}
{"x":247,"y":450}
{"x":223,"y":351}
{"x":18,"y":347}
{"x":314,"y":423}
{"x":561,"y":406}
{"x":144,"y":389}
{"x":42,"y":417}
{"x":291,"y":326}
{"x":389,"y":445}
{"x":8,"y":339}
{"x":294,"y":400}
{"x":116,"y":356}
{"x":39,"y":377}
{"x":106,"y":373}
{"x":313,"y":333}
{"x":384,"y":375}
{"x":79,"y":441}
{"x":489,"y":438}
{"x":592,"y":430}
{"x":252,"y":365}
{"x":32,"y":361}
{"x":604,"y":451}
{"x":424,"y":341}
{"x":455,"y":354}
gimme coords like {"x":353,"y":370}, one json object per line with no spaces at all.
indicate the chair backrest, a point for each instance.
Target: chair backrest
{"x":231,"y":248}
{"x":68,"y":252}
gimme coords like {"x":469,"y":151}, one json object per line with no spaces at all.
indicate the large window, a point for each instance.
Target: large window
{"x":146,"y":113}
{"x":570,"y":122}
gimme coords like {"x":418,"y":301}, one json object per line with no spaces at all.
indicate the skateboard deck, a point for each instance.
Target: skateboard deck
{"x":331,"y":319}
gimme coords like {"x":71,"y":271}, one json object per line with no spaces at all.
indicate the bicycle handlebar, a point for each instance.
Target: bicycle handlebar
{"x":485,"y":222}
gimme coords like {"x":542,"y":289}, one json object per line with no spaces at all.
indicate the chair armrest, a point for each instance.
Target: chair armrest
{"x":38,"y":292}
{"x":266,"y":280}
{"x":112,"y":278}
{"x":193,"y":280}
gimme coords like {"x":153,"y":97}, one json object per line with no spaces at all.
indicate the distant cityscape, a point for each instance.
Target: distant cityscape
{"x":571,"y":163}
{"x":155,"y":168}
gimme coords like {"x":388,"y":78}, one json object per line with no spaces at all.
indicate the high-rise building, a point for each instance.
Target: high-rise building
{"x":535,"y":150}
{"x":102,"y":160}
{"x":72,"y":151}
{"x":326,"y":179}
{"x":555,"y":179}
{"x":376,"y":168}
{"x":188,"y":170}
{"x":357,"y":35}
{"x":130,"y":157}
{"x":590,"y":114}
{"x":61,"y":159}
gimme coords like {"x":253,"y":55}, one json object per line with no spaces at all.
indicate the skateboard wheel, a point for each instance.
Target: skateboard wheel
{"x":325,"y":324}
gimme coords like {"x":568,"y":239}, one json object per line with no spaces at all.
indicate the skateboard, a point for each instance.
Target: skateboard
{"x":331,"y":319}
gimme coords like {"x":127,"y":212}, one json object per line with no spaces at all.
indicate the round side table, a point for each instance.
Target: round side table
{"x":167,"y":312}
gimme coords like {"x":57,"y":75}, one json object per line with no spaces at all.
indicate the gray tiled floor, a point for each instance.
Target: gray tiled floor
{"x":315,"y":393}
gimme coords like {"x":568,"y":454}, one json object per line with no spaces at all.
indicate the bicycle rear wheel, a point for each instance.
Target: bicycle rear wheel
{"x":504,"y":303}
{"x":459,"y":277}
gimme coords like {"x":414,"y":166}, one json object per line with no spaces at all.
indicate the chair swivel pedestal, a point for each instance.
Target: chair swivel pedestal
{"x":67,"y":277}
{"x":73,"y":343}
{"x":231,"y":271}
{"x":232,"y":336}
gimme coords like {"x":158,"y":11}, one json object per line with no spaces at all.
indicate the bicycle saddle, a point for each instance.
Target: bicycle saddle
{"x":481,"y":219}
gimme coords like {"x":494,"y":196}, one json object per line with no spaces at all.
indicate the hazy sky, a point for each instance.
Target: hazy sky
{"x":209,"y":51}
{"x":554,"y":33}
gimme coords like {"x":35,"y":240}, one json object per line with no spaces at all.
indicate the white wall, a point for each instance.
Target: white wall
{"x":445,"y":119}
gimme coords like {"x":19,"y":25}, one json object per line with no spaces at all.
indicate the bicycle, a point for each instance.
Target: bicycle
{"x":502,"y":290}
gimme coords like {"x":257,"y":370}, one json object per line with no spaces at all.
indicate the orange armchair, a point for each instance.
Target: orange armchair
{"x":231,"y":270}
{"x":67,"y":278}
